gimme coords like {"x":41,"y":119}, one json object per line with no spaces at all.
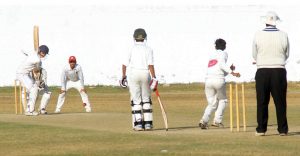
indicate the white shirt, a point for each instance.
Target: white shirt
{"x":69,"y":74}
{"x":217,"y":67}
{"x":140,"y":57}
{"x":32,"y":61}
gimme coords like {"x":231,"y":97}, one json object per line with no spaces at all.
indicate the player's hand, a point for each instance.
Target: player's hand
{"x":123,"y":82}
{"x":62,"y":91}
{"x":153,"y":84}
{"x":236,"y":74}
{"x":232,"y":67}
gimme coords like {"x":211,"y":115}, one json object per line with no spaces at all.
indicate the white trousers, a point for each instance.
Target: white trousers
{"x":46,"y":94}
{"x":140,"y":95}
{"x":77,"y":85}
{"x":215,"y":91}
{"x":31,"y":89}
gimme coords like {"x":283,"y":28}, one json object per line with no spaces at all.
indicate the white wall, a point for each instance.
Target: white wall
{"x":98,"y":34}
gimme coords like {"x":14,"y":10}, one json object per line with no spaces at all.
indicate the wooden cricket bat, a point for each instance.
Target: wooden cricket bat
{"x":163,"y":112}
{"x":36,"y":38}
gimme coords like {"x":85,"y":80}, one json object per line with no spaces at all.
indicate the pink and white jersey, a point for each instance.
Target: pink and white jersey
{"x":217,"y":67}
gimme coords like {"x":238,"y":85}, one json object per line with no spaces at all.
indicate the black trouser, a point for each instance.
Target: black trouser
{"x":271,"y":80}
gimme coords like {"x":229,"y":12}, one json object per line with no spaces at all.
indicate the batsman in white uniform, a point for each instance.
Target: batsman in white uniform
{"x":41,"y":81}
{"x":215,"y":86}
{"x":72,"y":77}
{"x":32,"y":63}
{"x":139,"y":62}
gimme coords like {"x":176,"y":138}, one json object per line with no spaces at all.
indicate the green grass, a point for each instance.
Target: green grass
{"x":107,"y":131}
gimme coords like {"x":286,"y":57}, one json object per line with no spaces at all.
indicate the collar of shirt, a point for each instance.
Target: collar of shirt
{"x":271,"y":28}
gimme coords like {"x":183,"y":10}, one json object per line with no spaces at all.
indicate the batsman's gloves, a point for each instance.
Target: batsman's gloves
{"x":153,"y":84}
{"x":123,"y":82}
{"x":232,"y":67}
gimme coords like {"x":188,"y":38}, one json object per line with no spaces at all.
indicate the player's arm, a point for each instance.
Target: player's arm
{"x":124,"y":68}
{"x":81,"y":78}
{"x":63,"y":79}
{"x":152,"y":71}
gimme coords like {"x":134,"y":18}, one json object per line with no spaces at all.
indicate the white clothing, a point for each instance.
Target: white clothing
{"x":215,"y":86}
{"x":138,"y":61}
{"x":140,"y":57}
{"x":31,"y":62}
{"x":215,"y":91}
{"x":72,"y":75}
{"x":273,"y":47}
{"x":217,"y":67}
{"x":72,"y":78}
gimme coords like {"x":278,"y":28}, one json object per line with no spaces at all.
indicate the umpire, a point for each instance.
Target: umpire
{"x":270,"y":51}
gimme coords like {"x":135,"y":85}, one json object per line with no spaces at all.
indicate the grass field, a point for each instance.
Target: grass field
{"x":107,"y":130}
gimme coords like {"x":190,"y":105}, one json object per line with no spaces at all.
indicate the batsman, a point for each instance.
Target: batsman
{"x":32,"y":63}
{"x":137,"y":65}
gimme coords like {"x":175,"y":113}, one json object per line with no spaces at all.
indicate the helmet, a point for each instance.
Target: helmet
{"x":72,"y":59}
{"x":44,"y":48}
{"x":139,"y":34}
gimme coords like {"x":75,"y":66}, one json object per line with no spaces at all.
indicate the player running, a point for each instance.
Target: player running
{"x":215,"y":86}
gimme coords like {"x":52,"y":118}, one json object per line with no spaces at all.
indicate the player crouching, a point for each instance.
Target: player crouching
{"x":72,"y":77}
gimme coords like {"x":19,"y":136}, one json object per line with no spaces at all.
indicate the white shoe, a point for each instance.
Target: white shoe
{"x":215,"y":124}
{"x":148,"y":127}
{"x":34,"y":113}
{"x":43,"y":111}
{"x":57,"y":111}
{"x":88,"y":110}
{"x":138,"y":128}
{"x":260,"y":134}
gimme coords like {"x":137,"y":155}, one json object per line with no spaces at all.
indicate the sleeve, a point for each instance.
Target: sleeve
{"x":44,"y":76}
{"x":150,"y":59}
{"x":223,"y":65}
{"x":127,"y":58}
{"x":63,"y":79}
{"x":287,"y":50}
{"x":80,"y":75}
{"x":254,"y":49}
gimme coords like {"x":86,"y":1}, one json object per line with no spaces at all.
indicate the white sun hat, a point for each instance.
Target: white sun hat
{"x":271,"y":18}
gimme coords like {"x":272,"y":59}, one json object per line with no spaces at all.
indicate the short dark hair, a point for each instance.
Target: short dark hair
{"x":220,"y":44}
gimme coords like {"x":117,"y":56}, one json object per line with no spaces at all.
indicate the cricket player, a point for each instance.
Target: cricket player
{"x":215,"y":86}
{"x":41,"y":81}
{"x":32,"y":63}
{"x":139,"y":62}
{"x":72,"y":77}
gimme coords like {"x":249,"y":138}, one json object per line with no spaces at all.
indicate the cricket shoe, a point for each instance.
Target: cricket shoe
{"x":148,"y":127}
{"x":34,"y":113}
{"x":203,"y":125}
{"x":88,"y":110}
{"x":215,"y":124}
{"x":282,"y":134}
{"x":57,"y":111}
{"x":138,"y":128}
{"x":43,"y":111}
{"x":260,"y":134}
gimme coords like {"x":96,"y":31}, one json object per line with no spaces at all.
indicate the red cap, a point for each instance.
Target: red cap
{"x":72,"y":59}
